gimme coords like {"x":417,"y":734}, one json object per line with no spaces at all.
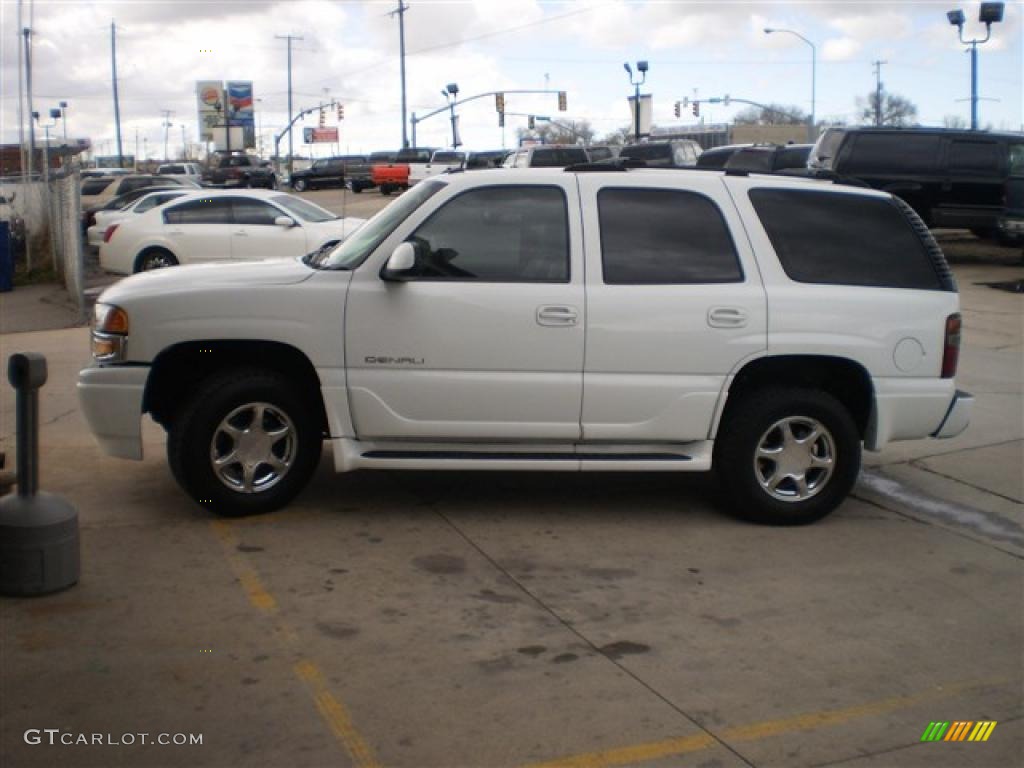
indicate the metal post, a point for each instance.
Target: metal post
{"x":27,"y":373}
{"x":117,"y":105}
{"x":402,"y":8}
{"x":636,"y":111}
{"x":28,"y":87}
{"x":414,"y":129}
{"x":974,"y":85}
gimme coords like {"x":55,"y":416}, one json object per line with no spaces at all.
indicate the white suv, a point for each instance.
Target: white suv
{"x":652,"y":320}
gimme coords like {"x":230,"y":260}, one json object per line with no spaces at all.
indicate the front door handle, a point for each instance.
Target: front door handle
{"x":557,"y":315}
{"x":727,"y":317}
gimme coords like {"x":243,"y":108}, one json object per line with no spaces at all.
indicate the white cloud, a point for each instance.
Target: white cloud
{"x":840,"y":48}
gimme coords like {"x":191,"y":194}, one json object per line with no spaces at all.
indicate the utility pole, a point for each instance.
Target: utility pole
{"x":167,"y":124}
{"x":135,"y":164}
{"x":117,"y":105}
{"x":402,"y":8}
{"x":184,"y":145}
{"x":27,"y":32}
{"x":289,"y":38}
{"x":877,"y":64}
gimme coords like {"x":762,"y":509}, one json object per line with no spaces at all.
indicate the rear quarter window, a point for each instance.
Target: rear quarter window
{"x":840,"y":239}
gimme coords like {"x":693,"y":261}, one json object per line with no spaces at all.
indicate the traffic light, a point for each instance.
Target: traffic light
{"x":341,"y":111}
{"x":323,"y":118}
{"x":562,"y":102}
{"x":696,"y":109}
{"x":499,"y":102}
{"x":678,"y":105}
{"x":530,"y":122}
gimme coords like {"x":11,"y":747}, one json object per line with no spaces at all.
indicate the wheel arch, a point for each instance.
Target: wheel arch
{"x":178,"y":370}
{"x":148,"y":248}
{"x":846,"y":380}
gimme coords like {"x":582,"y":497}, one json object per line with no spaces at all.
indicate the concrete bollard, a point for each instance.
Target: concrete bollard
{"x":39,"y":544}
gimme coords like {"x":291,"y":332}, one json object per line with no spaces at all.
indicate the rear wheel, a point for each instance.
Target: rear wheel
{"x":385,"y":189}
{"x":154,"y":258}
{"x":299,"y":185}
{"x":245,"y":444}
{"x":787,"y":456}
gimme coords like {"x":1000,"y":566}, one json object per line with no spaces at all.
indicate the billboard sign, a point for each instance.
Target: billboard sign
{"x":242,"y":108}
{"x":645,"y":115}
{"x":319,"y":135}
{"x":209,"y":96}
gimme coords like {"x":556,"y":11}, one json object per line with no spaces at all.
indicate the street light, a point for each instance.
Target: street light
{"x":989,"y":14}
{"x":451,"y":93}
{"x":814,"y":75}
{"x":641,"y":67}
{"x":64,"y":116}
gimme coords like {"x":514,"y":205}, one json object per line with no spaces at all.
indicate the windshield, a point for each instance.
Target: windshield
{"x":354,"y":251}
{"x":303,"y":209}
{"x":448,"y":157}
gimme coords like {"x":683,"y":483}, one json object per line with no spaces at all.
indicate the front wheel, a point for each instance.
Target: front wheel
{"x":245,"y":444}
{"x":787,"y":456}
{"x":154,"y":258}
{"x":299,"y":185}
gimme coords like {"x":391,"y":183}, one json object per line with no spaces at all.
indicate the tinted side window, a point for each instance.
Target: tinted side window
{"x":663,"y":236}
{"x":1017,"y":159}
{"x":206,"y":210}
{"x":838,"y":239}
{"x":153,"y":201}
{"x":254,"y":212}
{"x":498,"y":234}
{"x":974,"y":157}
{"x":892,"y":153}
{"x":95,"y":186}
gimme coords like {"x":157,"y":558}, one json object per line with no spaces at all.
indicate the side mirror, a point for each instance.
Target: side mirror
{"x":285,"y":221}
{"x":401,"y":264}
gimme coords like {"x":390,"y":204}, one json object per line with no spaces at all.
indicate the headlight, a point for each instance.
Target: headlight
{"x":109,"y":333}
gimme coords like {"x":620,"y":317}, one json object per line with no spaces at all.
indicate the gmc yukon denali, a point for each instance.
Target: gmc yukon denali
{"x":761,"y":327}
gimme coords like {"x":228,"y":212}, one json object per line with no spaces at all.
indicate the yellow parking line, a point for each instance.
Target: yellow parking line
{"x":757,"y":731}
{"x":334,"y":713}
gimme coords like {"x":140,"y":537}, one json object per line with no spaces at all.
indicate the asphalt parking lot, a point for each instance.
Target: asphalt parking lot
{"x":464,"y":619}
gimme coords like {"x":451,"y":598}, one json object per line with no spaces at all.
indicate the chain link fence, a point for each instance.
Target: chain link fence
{"x":65,"y":209}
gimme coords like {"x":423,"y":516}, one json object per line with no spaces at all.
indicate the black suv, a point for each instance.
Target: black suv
{"x":328,"y":171}
{"x":952,"y":178}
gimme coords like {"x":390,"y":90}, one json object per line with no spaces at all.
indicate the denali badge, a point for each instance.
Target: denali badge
{"x":379,"y":360}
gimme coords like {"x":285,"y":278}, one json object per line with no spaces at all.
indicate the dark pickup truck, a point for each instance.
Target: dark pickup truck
{"x":239,"y":170}
{"x":327,"y":172}
{"x":359,"y":176}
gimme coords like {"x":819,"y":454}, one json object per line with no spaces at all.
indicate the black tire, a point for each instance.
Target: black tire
{"x":357,"y":188}
{"x":761,"y":420}
{"x":272,"y":182}
{"x":154,"y":258}
{"x":201,"y":429}
{"x":299,"y":185}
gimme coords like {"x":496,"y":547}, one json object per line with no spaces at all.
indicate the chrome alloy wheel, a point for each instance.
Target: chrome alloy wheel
{"x":253,"y":448}
{"x":158,"y":260}
{"x":794,"y":458}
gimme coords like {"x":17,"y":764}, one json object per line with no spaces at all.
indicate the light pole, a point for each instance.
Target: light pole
{"x":814,"y":75}
{"x":64,"y":117}
{"x":989,"y":14}
{"x":451,"y":92}
{"x":641,"y":67}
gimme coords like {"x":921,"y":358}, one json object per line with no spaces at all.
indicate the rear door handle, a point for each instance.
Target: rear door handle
{"x":557,"y":315}
{"x":727,"y":317}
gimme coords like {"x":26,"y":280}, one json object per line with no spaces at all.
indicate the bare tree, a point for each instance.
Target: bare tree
{"x":771,"y":114}
{"x":954,"y":121}
{"x":894,"y":110}
{"x":619,"y":136}
{"x":570,"y":132}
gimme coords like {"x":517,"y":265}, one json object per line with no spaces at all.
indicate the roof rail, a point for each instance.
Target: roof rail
{"x":610,"y":164}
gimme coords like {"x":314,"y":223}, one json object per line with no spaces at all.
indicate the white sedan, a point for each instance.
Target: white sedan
{"x":105,"y":219}
{"x":211,"y":226}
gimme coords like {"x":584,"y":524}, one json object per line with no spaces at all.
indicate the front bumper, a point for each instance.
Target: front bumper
{"x":111,"y":400}
{"x":1012,"y":225}
{"x":958,"y":416}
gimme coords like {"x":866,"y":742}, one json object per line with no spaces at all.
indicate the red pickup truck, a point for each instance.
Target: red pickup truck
{"x":390,"y":177}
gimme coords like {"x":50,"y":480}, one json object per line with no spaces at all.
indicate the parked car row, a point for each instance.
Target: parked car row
{"x":199,"y":226}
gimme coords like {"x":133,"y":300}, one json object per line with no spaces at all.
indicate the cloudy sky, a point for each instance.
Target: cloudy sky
{"x":350,"y":48}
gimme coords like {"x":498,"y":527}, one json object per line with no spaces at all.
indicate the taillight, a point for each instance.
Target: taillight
{"x":113,"y":228}
{"x":951,"y":346}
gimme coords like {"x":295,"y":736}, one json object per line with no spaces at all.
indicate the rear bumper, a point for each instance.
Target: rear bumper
{"x":957,"y":417}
